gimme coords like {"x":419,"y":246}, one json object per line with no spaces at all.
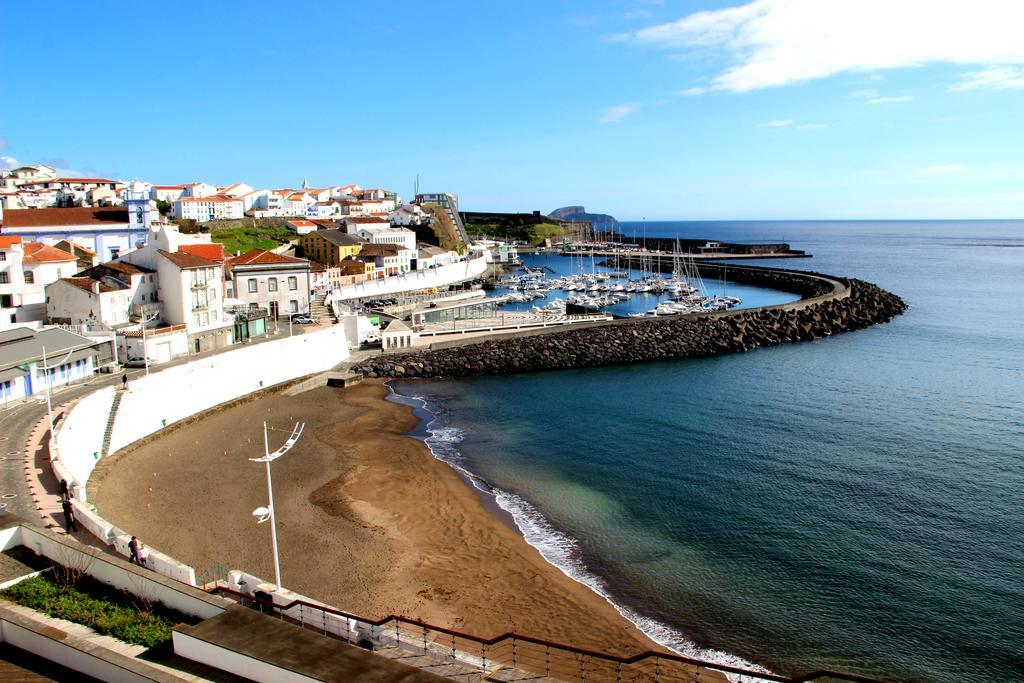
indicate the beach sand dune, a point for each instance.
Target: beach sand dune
{"x":368,"y":520}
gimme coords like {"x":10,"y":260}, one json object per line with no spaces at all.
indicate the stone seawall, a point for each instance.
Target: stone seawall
{"x":830,"y":305}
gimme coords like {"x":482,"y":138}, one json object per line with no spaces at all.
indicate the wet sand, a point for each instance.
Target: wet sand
{"x":368,"y":520}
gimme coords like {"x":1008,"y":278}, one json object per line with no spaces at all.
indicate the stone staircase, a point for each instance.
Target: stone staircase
{"x":109,"y":429}
{"x":319,"y":308}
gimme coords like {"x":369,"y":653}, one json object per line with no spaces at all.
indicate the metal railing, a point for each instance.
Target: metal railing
{"x":508,"y":657}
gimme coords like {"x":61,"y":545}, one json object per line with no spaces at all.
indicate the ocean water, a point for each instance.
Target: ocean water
{"x":853,"y":503}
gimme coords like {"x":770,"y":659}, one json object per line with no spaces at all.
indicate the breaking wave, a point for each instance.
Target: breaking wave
{"x":558,"y":548}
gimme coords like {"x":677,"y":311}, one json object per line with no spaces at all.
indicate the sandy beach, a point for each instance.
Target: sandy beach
{"x":368,"y":519}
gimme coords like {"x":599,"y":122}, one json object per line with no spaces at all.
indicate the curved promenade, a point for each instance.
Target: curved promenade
{"x":107,"y":420}
{"x":829,"y":305}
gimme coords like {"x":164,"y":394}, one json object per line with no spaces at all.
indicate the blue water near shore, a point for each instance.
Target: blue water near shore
{"x":852,"y":503}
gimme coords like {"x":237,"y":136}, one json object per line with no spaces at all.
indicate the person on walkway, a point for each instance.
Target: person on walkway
{"x":70,"y":524}
{"x":124,"y":381}
{"x":133,"y":550}
{"x":143,"y":556}
{"x":64,"y":495}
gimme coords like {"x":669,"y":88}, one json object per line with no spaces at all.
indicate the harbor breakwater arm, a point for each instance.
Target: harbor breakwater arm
{"x":829,"y":305}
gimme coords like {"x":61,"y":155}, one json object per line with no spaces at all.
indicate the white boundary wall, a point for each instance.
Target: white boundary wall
{"x":420,"y":279}
{"x":174,"y":394}
{"x":163,"y":398}
{"x":80,"y":437}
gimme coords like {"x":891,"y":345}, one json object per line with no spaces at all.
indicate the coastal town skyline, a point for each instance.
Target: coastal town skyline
{"x":889,"y":117}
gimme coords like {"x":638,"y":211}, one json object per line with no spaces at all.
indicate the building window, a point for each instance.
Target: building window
{"x":294,"y":305}
{"x":3,"y":255}
{"x":5,"y":278}
{"x":272,"y":284}
{"x":30,"y":277}
{"x":293,"y":282}
{"x":252,"y":285}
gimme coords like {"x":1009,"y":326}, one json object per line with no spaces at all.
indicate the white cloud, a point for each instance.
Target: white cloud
{"x":786,"y":123}
{"x":890,"y":100}
{"x":944,"y":169}
{"x":9,"y":162}
{"x":865,"y":94}
{"x":998,"y":77}
{"x":618,"y":112}
{"x":778,"y":42}
{"x":692,"y":92}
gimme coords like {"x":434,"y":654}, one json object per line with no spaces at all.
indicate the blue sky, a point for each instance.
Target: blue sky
{"x":772,"y":109}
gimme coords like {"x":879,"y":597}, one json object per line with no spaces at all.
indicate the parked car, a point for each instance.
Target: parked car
{"x":299,"y":319}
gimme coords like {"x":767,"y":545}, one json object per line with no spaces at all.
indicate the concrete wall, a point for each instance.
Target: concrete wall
{"x":165,"y":397}
{"x":117,"y":573}
{"x":423,"y":279}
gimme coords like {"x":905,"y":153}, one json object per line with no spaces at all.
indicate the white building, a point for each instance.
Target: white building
{"x":106,"y":231}
{"x":301,"y":226}
{"x":25,"y":271}
{"x":429,"y":256}
{"x":85,"y":301}
{"x":199,"y":190}
{"x":191,"y":294}
{"x":278,"y":284}
{"x":27,"y":175}
{"x":166,"y":193}
{"x":409,"y":214}
{"x":353,"y":224}
{"x":208,"y":208}
{"x":189,"y":287}
{"x":402,"y":237}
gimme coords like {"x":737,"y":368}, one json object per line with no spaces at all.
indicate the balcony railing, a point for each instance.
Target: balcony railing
{"x":199,"y":284}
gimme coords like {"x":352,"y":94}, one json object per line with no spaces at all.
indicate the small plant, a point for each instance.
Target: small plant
{"x":101,"y":608}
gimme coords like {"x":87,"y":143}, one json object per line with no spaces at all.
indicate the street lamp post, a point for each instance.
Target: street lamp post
{"x":49,"y":401}
{"x":262,"y":514}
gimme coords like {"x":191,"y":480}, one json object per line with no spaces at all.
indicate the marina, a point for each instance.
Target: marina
{"x":578,"y":284}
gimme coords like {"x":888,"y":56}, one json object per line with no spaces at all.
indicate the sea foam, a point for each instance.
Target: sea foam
{"x":558,"y":548}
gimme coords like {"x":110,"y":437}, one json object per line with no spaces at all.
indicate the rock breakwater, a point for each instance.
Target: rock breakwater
{"x":850,"y":305}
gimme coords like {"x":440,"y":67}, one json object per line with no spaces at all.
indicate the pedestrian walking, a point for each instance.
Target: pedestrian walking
{"x":143,"y":556}
{"x":64,"y":495}
{"x":70,"y":524}
{"x":133,"y":550}
{"x":124,"y":381}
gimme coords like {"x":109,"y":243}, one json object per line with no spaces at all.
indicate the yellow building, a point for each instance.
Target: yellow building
{"x":330,"y":247}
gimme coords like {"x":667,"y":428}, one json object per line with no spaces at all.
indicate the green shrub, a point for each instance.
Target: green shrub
{"x":102,"y":609}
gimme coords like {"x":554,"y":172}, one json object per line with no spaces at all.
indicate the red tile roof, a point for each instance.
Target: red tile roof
{"x":185,"y":261}
{"x":8,"y":241}
{"x":37,"y":252}
{"x":80,"y":215}
{"x":86,"y":283}
{"x":364,"y":219}
{"x":104,"y":181}
{"x":260,"y":256}
{"x":213,"y":251}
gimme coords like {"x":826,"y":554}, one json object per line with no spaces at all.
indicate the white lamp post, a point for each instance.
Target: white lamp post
{"x":49,"y":402}
{"x":262,"y":514}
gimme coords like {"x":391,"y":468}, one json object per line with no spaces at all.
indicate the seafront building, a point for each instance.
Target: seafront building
{"x":263,"y":279}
